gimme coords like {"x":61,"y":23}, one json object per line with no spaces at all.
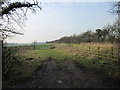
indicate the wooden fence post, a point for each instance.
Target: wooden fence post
{"x":119,"y":52}
{"x":1,"y":45}
{"x":89,"y":50}
{"x":98,"y":52}
{"x":34,"y":46}
{"x":11,"y":53}
{"x":112,"y":53}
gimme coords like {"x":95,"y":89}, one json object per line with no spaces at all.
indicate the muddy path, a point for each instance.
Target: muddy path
{"x":66,"y":75}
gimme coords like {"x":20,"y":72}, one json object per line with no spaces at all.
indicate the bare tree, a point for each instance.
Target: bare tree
{"x":13,"y":13}
{"x":116,"y":10}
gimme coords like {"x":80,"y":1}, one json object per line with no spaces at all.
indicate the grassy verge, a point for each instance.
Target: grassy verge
{"x":107,"y":67}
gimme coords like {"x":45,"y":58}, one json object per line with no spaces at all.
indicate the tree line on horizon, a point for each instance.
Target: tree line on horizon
{"x":108,"y":34}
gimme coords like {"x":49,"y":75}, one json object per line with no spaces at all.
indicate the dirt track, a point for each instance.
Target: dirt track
{"x":67,"y":75}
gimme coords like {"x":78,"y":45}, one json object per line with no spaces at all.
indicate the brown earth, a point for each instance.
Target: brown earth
{"x":65,"y":75}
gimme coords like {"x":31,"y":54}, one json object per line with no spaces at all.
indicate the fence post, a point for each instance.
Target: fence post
{"x":1,"y":45}
{"x":89,"y":50}
{"x":98,"y":52}
{"x":34,"y":46}
{"x":112,"y":53}
{"x":11,"y":53}
{"x":118,"y":52}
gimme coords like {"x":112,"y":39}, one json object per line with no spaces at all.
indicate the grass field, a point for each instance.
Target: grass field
{"x":37,"y":46}
{"x":42,"y":46}
{"x":16,"y":45}
{"x":26,"y":62}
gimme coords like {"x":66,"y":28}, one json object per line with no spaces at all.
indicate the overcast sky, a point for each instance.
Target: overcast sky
{"x":58,"y":19}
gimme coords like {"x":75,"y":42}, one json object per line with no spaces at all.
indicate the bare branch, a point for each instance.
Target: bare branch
{"x":14,"y":6}
{"x":2,"y":30}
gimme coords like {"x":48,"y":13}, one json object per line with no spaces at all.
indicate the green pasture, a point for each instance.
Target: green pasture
{"x":42,"y":46}
{"x":16,"y":45}
{"x":37,"y":46}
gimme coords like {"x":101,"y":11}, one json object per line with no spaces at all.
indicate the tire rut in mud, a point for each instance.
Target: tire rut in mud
{"x":67,"y":75}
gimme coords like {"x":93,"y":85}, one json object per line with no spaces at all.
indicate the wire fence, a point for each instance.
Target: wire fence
{"x":7,"y":54}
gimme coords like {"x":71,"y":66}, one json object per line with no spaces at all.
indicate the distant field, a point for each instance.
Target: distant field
{"x":16,"y":45}
{"x":37,"y":46}
{"x":42,"y":46}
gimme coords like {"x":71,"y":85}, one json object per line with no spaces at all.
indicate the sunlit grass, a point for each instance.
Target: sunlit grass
{"x":107,"y":67}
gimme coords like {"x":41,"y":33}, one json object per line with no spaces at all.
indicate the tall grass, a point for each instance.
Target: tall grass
{"x":108,"y":67}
